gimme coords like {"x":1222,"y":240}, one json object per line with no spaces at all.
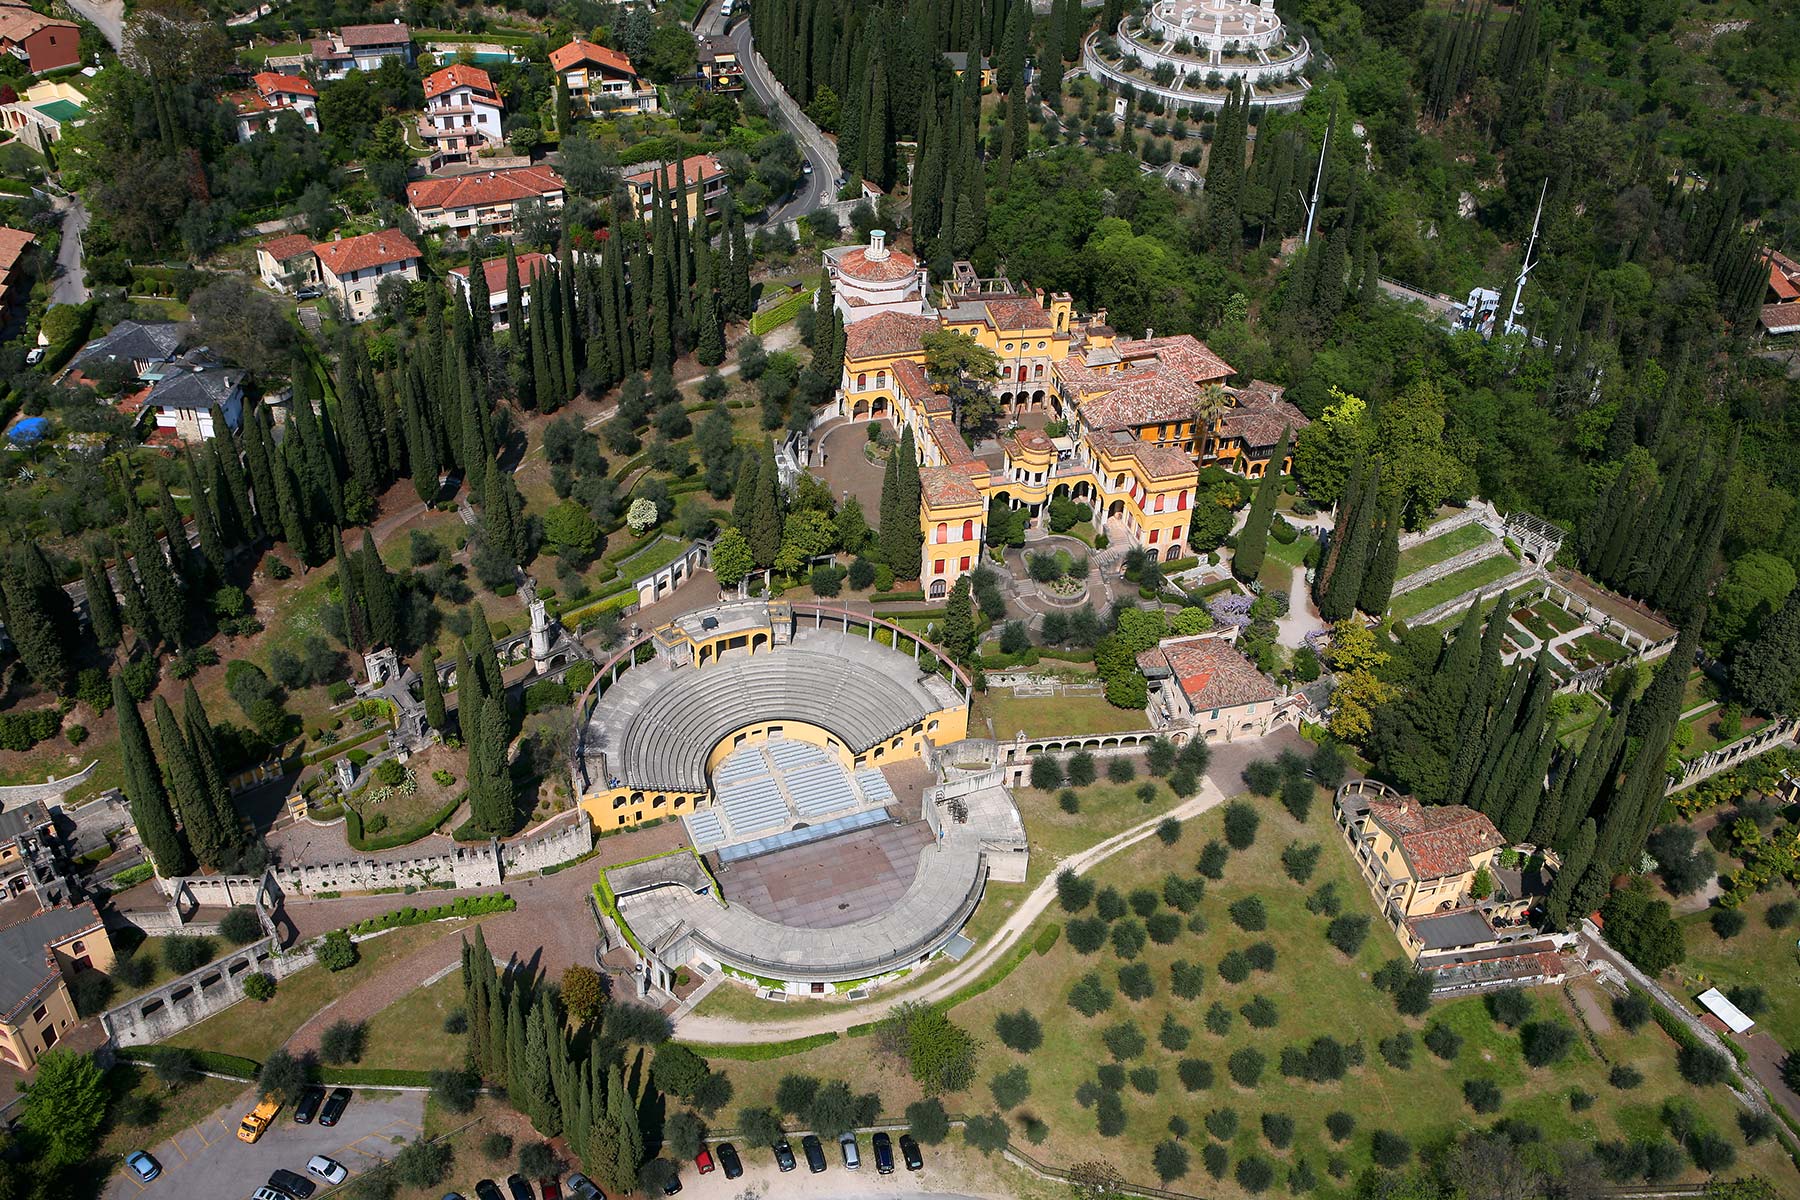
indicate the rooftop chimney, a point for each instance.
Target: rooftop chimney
{"x":877,"y":251}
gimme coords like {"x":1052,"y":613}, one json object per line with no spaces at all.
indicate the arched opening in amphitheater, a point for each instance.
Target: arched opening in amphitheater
{"x":800,"y":761}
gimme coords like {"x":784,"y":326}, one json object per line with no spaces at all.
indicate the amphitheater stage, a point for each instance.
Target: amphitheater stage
{"x":839,"y":881}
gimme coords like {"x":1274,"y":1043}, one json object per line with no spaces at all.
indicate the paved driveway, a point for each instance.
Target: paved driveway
{"x":206,"y":1161}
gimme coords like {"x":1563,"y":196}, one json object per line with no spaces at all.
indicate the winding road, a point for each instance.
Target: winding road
{"x":817,"y":189}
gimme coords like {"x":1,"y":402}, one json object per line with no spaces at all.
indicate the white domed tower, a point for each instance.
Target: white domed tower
{"x":1188,"y":54}
{"x":867,"y":281}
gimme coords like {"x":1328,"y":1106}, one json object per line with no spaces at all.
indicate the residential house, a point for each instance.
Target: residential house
{"x":144,"y":351}
{"x":1444,"y":877}
{"x":183,"y":399}
{"x":462,"y":112}
{"x":720,"y":70}
{"x":30,"y":858}
{"x":14,"y":286}
{"x":39,"y":117}
{"x":270,"y":97}
{"x":361,"y":48}
{"x":702,"y":178}
{"x":287,"y":263}
{"x":493,"y":273}
{"x":40,"y":952}
{"x":352,"y":269}
{"x":1779,"y":319}
{"x":41,"y":42}
{"x":959,"y":62}
{"x":482,"y":201}
{"x":1245,"y":432}
{"x":1208,"y":681}
{"x":600,"y":79}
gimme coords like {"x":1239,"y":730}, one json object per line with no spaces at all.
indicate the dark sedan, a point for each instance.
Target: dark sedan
{"x":909,"y":1151}
{"x":515,"y":1183}
{"x":729,"y":1160}
{"x":487,"y":1189}
{"x":884,"y":1154}
{"x":335,"y":1104}
{"x":815,"y":1153}
{"x":784,"y":1155}
{"x":308,"y":1108}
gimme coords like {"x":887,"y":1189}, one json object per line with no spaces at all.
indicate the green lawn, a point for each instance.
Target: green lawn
{"x":150,"y":950}
{"x":1591,"y":649}
{"x":1055,"y":716}
{"x":1293,"y":553}
{"x":1316,"y":992}
{"x":409,"y":1035}
{"x":1106,"y":809}
{"x":1762,"y":956}
{"x":1452,"y":585}
{"x":1447,"y":545}
{"x":251,"y":1029}
{"x":174,"y":1111}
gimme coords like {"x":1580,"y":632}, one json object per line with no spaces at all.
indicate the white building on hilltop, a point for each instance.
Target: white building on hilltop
{"x":1189,"y":53}
{"x":867,"y":281}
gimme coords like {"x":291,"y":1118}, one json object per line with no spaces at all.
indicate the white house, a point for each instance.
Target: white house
{"x":482,"y":201}
{"x":183,"y":400}
{"x":462,"y":111}
{"x":288,"y":261}
{"x":353,"y":268}
{"x":600,"y":79}
{"x":273,"y":95}
{"x":494,"y":275}
{"x":867,"y":281}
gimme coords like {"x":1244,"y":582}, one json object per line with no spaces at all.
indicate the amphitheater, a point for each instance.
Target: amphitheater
{"x":799,"y":746}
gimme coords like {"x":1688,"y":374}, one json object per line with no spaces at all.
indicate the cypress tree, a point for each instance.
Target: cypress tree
{"x":516,"y":1046}
{"x":565,"y":315}
{"x":538,"y":1100}
{"x":467,"y":696}
{"x":421,"y":444}
{"x":162,"y":593}
{"x":764,"y":534}
{"x":150,"y":812}
{"x":515,"y":296}
{"x":1356,"y":529}
{"x":481,"y":315}
{"x":743,"y":497}
{"x":628,"y":1144}
{"x":40,"y":619}
{"x":959,"y":622}
{"x":380,"y":596}
{"x":102,"y":605}
{"x":262,"y":477}
{"x":1347,"y":508}
{"x":350,"y":598}
{"x":133,"y":606}
{"x":1384,"y":563}
{"x":1499,"y":744}
{"x":908,"y":536}
{"x":227,"y":448}
{"x":499,"y":802}
{"x":206,"y":519}
{"x":199,"y":819}
{"x":200,"y":735}
{"x":1763,"y":669}
{"x":1575,"y":865}
{"x":478,"y":984}
{"x":1472,"y":720}
{"x":430,"y":692}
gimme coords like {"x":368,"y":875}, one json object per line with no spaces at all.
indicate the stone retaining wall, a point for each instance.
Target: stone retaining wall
{"x":16,"y":794}
{"x":165,"y":1011}
{"x":1451,"y":565}
{"x":1456,"y":604}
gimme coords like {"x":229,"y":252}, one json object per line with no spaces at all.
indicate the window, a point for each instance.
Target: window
{"x":1153,"y":534}
{"x":42,"y":1011}
{"x":49,"y":1038}
{"x":1159,"y":502}
{"x":942,"y":533}
{"x":965,"y":563}
{"x":1181,"y":502}
{"x":1175,"y":534}
{"x":862,"y":381}
{"x":937,"y":567}
{"x":968,"y":530}
{"x":881,"y":379}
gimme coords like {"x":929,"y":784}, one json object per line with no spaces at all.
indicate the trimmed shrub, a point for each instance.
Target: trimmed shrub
{"x":1443,"y":1041}
{"x":1168,"y":831}
{"x":1213,"y":857}
{"x":1187,"y":980}
{"x":1390,"y":1149}
{"x":1348,"y":933}
{"x":1241,"y":822}
{"x":1727,"y":922}
{"x":1195,"y":1074}
{"x":1136,"y":982}
{"x":1169,"y":1160}
{"x":1325,"y":901}
{"x":1011,"y":1087}
{"x":1278,"y":1129}
{"x":1146,"y":1080}
{"x":1245,"y":1066}
{"x":260,"y":986}
{"x":1234,"y":967}
{"x":1397,"y":1051}
{"x":1300,"y":861}
{"x":1483,"y":1095}
{"x":1249,"y":914}
{"x":1340,"y":1125}
{"x":1297,"y":796}
{"x":1631,"y":1010}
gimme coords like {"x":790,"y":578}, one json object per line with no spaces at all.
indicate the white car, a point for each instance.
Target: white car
{"x":329,"y":1169}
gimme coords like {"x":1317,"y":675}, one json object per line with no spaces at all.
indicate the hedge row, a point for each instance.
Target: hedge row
{"x":762,"y":1051}
{"x":132,"y":876}
{"x":207,"y":1060}
{"x":781,"y":314}
{"x":388,"y":1076}
{"x":338,"y":749}
{"x":353,"y":828}
{"x":462,"y":906}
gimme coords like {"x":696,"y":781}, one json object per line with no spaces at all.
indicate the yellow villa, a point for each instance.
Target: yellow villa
{"x":38,"y":955}
{"x":1121,"y":426}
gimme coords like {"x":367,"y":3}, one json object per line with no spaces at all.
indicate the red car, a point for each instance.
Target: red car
{"x":704,"y":1161}
{"x":550,"y":1189}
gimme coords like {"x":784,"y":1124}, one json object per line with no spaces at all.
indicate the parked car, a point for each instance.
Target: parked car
{"x":487,"y":1189}
{"x":884,"y":1154}
{"x":268,"y":1193}
{"x":672,"y":1184}
{"x":335,"y":1104}
{"x":909,"y":1151}
{"x":703,"y":1161}
{"x":452,"y":1196}
{"x":806,"y":166}
{"x":784,"y":1155}
{"x":297,"y":1186}
{"x":550,"y":1189}
{"x":34,"y":356}
{"x":580,"y":1187}
{"x":815,"y":1153}
{"x":728,"y":1158}
{"x":847,"y":1147}
{"x":310,"y":293}
{"x":308,"y":1108}
{"x":143,"y":1166}
{"x":515,"y":1183}
{"x":329,"y":1169}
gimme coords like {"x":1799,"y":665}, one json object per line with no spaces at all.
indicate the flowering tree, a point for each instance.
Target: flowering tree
{"x":641,"y":515}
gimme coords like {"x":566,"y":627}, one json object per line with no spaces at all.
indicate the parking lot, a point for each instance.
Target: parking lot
{"x":207,"y":1162}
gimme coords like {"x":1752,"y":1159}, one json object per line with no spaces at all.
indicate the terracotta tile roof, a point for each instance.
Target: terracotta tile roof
{"x":364,"y":251}
{"x":1779,"y":283}
{"x":1783,"y":261}
{"x":1437,"y":840}
{"x":495,"y":271}
{"x":483,"y":187}
{"x":580,"y":51}
{"x":1210,"y":671}
{"x":18,"y":23}
{"x":288,"y":245}
{"x":855,"y":262}
{"x":913,"y":382}
{"x":269,"y":83}
{"x":950,"y":443}
{"x":12,"y":246}
{"x":888,"y":333}
{"x":1182,"y":352}
{"x":697,"y":168}
{"x":1260,"y":415}
{"x":1147,"y":395}
{"x":1015,"y":313}
{"x":937,"y":404}
{"x":1155,"y":462}
{"x":1781,"y":318}
{"x":361,"y":37}
{"x":457,"y":75}
{"x":945,"y":487}
{"x":1025,"y":441}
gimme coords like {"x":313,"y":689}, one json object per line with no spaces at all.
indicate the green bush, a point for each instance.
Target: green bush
{"x":336,"y":951}
{"x":462,"y":906}
{"x":260,"y":986}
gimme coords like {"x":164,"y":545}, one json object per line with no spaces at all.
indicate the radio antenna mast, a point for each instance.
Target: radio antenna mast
{"x":1525,"y":266}
{"x":1312,"y":209}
